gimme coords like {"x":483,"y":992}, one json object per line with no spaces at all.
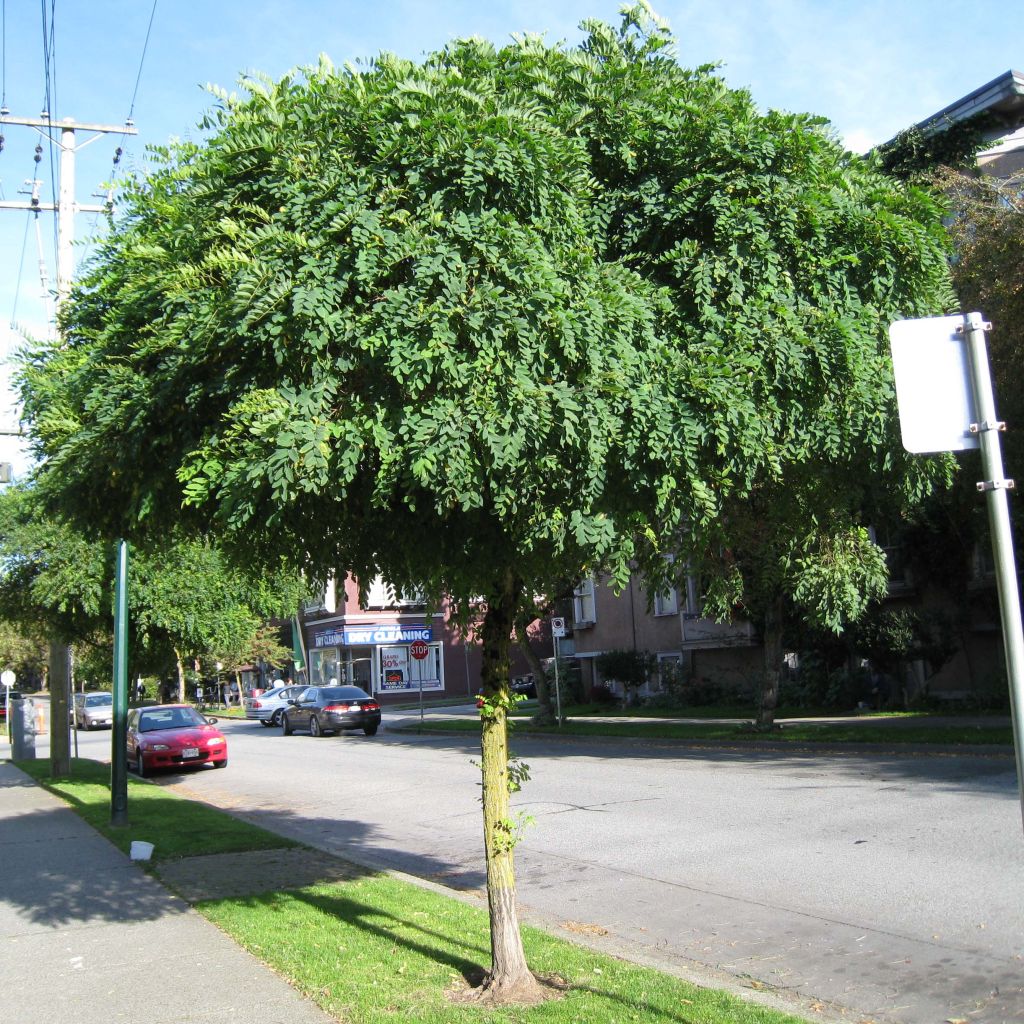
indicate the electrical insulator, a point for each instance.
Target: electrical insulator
{"x":4,"y":110}
{"x":39,"y":153}
{"x":44,"y":115}
{"x":1,"y":143}
{"x":117,"y":155}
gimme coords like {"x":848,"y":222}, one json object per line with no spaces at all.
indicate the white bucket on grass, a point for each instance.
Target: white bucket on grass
{"x":141,"y":850}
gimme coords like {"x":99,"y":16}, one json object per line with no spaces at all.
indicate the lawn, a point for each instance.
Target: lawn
{"x":376,"y":950}
{"x":895,"y":732}
{"x":176,"y":827}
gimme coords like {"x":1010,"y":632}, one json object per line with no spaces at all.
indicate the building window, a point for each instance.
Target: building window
{"x":383,"y":595}
{"x":984,"y":560}
{"x":584,"y":605}
{"x":670,"y":670}
{"x":694,"y":602}
{"x":666,"y":603}
{"x":400,"y":670}
{"x":890,"y":542}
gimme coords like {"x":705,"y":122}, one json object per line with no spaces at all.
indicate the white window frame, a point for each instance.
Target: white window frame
{"x":584,"y":602}
{"x":666,"y":602}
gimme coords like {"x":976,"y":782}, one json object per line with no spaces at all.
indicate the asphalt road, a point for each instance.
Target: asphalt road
{"x":889,"y":888}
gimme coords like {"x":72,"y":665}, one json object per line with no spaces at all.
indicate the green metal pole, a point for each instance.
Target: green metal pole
{"x":119,"y":737}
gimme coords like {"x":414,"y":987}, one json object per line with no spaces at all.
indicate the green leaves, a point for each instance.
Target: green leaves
{"x":505,"y":306}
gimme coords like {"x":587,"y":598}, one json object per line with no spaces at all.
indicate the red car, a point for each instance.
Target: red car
{"x":173,"y":736}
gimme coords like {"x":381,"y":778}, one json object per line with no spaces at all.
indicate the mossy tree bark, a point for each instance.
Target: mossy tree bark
{"x":510,"y":979}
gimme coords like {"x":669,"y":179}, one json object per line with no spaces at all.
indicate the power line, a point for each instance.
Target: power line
{"x":129,"y":120}
{"x":142,"y":61}
{"x":20,"y":268}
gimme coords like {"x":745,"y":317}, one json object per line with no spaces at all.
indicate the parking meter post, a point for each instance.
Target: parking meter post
{"x":995,"y":486}
{"x":119,"y":733}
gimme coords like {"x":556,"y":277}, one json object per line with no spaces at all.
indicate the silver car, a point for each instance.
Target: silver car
{"x":93,"y":710}
{"x":267,"y":707}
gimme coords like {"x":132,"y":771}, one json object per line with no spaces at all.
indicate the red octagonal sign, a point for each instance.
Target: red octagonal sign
{"x":418,"y":649}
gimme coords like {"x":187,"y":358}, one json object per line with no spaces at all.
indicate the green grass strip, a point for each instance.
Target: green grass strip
{"x":889,"y":735}
{"x":377,"y":950}
{"x":175,"y":826}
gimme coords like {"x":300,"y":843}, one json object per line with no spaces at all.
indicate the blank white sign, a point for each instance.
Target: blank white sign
{"x":933,"y":386}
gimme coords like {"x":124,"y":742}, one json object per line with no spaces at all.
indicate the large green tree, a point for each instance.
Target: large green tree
{"x":480,"y":324}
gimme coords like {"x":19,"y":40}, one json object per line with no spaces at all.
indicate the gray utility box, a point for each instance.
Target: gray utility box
{"x":23,"y":729}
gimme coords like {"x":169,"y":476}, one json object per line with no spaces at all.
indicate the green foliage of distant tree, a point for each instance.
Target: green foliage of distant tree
{"x":483,"y":324}
{"x":987,"y":227}
{"x":630,"y":668}
{"x":183,"y":596}
{"x":23,"y":651}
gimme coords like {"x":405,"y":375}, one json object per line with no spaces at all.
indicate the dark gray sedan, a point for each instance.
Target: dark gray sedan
{"x":323,"y":710}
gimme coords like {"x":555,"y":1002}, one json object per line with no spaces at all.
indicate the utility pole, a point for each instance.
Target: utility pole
{"x":65,"y":208}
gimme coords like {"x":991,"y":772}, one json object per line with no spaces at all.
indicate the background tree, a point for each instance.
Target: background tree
{"x":23,"y":650}
{"x":630,"y":668}
{"x":184,"y":597}
{"x":987,"y":227}
{"x":322,"y":327}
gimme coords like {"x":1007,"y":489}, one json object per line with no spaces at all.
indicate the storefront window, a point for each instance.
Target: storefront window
{"x":400,"y":670}
{"x":323,"y":667}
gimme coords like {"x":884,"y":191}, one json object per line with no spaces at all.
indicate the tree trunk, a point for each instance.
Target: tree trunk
{"x":772,"y":640}
{"x":60,"y":719}
{"x":545,"y":712}
{"x":181,"y":676}
{"x":510,"y":979}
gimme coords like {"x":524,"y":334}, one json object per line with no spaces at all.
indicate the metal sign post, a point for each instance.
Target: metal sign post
{"x":994,"y":487}
{"x":557,"y":632}
{"x":946,"y":403}
{"x":8,"y":678}
{"x":119,"y":733}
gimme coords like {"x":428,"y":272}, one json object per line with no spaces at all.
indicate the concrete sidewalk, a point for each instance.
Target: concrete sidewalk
{"x":89,"y":937}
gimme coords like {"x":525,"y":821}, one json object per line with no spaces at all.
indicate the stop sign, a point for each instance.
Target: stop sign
{"x":418,"y":649}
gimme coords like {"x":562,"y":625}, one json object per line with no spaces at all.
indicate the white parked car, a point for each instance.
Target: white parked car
{"x":267,"y":707}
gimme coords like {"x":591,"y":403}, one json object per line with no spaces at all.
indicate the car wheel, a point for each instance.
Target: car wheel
{"x":267,"y":724}
{"x":221,"y":764}
{"x":275,"y":719}
{"x":370,"y":730}
{"x":286,"y":725}
{"x":314,"y":727}
{"x":140,"y":764}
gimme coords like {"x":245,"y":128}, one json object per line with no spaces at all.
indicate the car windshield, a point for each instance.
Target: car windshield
{"x":170,"y":718}
{"x":343,"y":693}
{"x":94,"y":700}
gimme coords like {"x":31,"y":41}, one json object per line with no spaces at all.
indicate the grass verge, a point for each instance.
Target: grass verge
{"x":376,"y":950}
{"x":853,"y":733}
{"x":176,"y":827}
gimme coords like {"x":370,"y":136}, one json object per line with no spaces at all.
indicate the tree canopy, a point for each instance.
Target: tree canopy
{"x":482,"y":324}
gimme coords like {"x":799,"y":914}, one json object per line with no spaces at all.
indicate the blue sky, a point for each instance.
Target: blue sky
{"x":870,"y":67}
